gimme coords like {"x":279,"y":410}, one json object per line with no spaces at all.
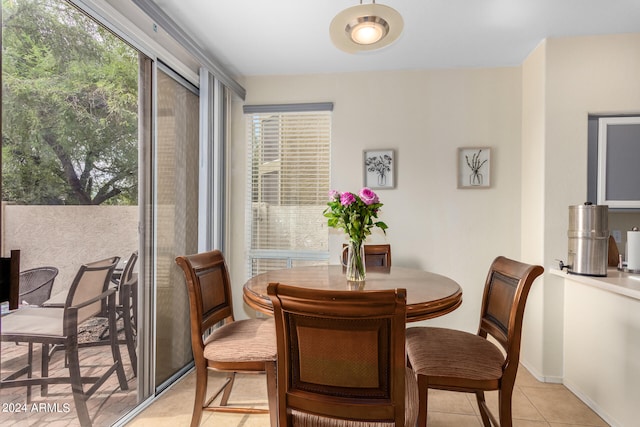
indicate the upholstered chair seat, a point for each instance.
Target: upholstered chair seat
{"x":485,"y":369}
{"x":242,"y":341}
{"x":449,"y":359}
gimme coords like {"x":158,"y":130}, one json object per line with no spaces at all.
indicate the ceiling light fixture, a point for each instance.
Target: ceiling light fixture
{"x":365,"y":27}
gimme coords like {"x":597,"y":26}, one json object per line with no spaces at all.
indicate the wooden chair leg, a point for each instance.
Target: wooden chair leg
{"x":272,"y":392}
{"x":201,"y":393}
{"x":504,"y":403}
{"x":482,"y":406}
{"x":231,"y":378}
{"x":423,"y":394}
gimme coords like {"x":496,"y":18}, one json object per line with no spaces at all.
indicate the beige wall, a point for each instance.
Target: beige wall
{"x":67,"y":236}
{"x":425,"y":116}
{"x":565,"y":80}
{"x":535,"y":119}
{"x":533,"y":177}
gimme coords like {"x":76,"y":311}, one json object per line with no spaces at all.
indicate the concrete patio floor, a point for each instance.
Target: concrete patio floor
{"x":106,"y":405}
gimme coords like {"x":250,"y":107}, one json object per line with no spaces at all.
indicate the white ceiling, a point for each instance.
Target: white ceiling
{"x":265,"y":37}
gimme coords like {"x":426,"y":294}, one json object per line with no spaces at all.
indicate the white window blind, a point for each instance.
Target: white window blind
{"x":289,"y":178}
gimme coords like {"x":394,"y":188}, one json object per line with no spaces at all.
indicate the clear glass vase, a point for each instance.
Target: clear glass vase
{"x":355,"y":266}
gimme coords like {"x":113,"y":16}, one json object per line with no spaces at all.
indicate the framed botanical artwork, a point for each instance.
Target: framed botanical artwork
{"x":474,"y":167}
{"x":379,"y":168}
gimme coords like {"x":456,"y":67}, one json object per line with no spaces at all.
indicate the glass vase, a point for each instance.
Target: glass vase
{"x":355,"y":262}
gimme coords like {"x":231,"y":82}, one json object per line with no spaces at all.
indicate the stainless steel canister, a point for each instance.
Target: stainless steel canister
{"x":588,"y":239}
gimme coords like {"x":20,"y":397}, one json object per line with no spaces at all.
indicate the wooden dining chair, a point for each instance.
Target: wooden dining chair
{"x":341,"y":358}
{"x":374,"y":255}
{"x":448,"y":359}
{"x":244,"y":346}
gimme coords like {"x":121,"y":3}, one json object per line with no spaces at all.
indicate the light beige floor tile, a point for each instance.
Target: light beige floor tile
{"x":562,"y":406}
{"x":568,"y":425}
{"x":529,"y":423}
{"x":534,"y":405}
{"x":236,"y":420}
{"x":166,"y":420}
{"x":443,"y":419}
{"x":175,"y":405}
{"x":521,"y":407}
{"x":525,"y":379}
{"x":449,"y":401}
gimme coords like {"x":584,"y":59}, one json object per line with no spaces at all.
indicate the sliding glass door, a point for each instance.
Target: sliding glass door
{"x":71,"y":127}
{"x":176,"y":217}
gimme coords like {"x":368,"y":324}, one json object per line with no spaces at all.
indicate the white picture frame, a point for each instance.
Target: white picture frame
{"x":617,"y":185}
{"x":379,"y":168}
{"x":474,"y":167}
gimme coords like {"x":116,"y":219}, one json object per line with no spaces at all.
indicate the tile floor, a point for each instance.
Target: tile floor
{"x":535,"y":404}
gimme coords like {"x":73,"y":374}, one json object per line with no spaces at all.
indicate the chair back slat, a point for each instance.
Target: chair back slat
{"x":340,"y":353}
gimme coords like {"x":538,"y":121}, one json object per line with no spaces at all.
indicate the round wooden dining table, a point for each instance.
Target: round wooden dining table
{"x":429,"y":295}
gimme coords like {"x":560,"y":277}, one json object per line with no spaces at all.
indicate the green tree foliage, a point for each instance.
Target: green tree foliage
{"x":69,"y":108}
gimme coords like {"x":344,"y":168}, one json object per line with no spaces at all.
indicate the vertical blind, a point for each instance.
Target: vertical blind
{"x":289,"y":177}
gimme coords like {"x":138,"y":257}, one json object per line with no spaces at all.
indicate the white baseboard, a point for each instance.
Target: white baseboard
{"x":537,"y":375}
{"x":591,"y":404}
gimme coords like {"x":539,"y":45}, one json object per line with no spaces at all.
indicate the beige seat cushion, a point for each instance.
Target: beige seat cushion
{"x":33,"y":321}
{"x":242,"y":340}
{"x":301,"y":419}
{"x":57,"y":300}
{"x":448,"y":353}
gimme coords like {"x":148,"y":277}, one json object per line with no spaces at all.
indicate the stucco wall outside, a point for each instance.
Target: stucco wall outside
{"x":66,"y":237}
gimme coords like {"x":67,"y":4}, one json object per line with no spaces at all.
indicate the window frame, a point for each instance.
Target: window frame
{"x":253,"y":196}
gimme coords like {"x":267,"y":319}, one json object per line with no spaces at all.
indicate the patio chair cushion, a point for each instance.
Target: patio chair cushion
{"x":57,"y":300}
{"x":242,"y":340}
{"x":34,"y":321}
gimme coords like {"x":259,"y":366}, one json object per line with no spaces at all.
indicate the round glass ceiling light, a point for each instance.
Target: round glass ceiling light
{"x":367,"y":30}
{"x":365,"y":27}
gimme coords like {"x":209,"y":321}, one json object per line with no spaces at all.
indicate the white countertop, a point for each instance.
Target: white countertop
{"x":618,"y":282}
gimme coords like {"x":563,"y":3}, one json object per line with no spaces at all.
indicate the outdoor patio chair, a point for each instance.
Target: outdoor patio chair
{"x":126,"y":307}
{"x":54,"y":326}
{"x":36,"y":285}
